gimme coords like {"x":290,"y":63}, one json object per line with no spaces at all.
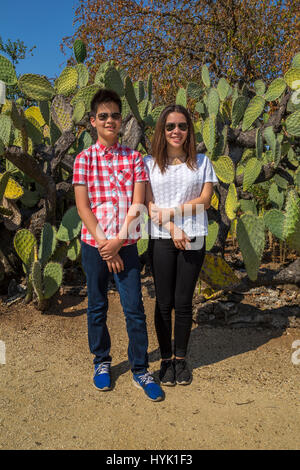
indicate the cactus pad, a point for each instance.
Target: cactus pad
{"x":251,"y":239}
{"x":62,"y":112}
{"x":24,"y":242}
{"x":79,"y":50}
{"x":53,"y":275}
{"x":253,"y":111}
{"x":66,"y":83}
{"x":217,"y":273}
{"x":213,"y":230}
{"x":224,"y":168}
{"x":7,"y":71}
{"x":70,"y":225}
{"x":275,"y":90}
{"x":36,"y":87}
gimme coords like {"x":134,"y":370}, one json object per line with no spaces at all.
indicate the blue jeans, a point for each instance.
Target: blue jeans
{"x":128,"y":283}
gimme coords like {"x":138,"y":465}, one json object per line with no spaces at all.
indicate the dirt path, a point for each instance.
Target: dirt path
{"x":244,"y":395}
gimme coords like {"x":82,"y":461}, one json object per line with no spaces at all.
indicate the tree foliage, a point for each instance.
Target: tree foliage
{"x":239,"y":39}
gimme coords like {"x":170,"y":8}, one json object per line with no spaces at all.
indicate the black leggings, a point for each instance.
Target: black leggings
{"x":175,"y":275}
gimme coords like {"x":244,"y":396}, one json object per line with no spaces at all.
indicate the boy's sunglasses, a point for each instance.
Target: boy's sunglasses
{"x":183,"y":126}
{"x":105,"y":116}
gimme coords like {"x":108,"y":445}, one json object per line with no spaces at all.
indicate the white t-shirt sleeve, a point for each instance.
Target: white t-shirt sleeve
{"x":208,"y":172}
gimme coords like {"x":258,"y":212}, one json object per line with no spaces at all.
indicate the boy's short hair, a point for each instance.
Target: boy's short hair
{"x":105,"y":96}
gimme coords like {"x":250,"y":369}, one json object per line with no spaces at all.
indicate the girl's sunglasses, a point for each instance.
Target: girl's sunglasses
{"x":105,"y":116}
{"x":183,"y":126}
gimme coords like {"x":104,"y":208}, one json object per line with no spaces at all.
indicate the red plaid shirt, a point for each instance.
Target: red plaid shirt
{"x":110,"y":175}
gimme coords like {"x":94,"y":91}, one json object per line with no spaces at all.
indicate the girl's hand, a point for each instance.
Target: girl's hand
{"x":180,"y":238}
{"x":161,"y":216}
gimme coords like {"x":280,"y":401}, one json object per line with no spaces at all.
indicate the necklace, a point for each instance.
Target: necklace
{"x":176,"y":160}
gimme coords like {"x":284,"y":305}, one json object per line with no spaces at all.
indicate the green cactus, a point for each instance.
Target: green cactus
{"x":274,"y":221}
{"x":209,"y":133}
{"x":251,"y":240}
{"x":79,"y":50}
{"x":66,"y":83}
{"x":113,"y":81}
{"x":70,"y":225}
{"x":293,"y":124}
{"x":213,"y":230}
{"x":224,"y":169}
{"x":181,"y":97}
{"x":253,"y":111}
{"x":260,"y":87}
{"x":47,"y":243}
{"x":83,"y":75}
{"x":275,"y":90}
{"x":213,"y":102}
{"x":62,"y":113}
{"x":46,"y":281}
{"x":7,"y":71}
{"x":252,"y":170}
{"x":231,"y":203}
{"x":131,"y":98}
{"x":205,"y":76}
{"x":36,"y":87}
{"x":5,"y":129}
{"x":239,"y":106}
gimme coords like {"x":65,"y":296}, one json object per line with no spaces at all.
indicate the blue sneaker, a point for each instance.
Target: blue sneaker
{"x":146,"y":383}
{"x":102,"y":376}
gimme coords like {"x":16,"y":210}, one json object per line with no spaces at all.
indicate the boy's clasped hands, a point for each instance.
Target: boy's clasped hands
{"x":109,"y":251}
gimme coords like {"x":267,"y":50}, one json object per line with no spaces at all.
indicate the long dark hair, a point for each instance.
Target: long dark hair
{"x":159,"y":143}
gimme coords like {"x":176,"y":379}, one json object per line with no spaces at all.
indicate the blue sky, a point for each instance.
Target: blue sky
{"x":42,"y":25}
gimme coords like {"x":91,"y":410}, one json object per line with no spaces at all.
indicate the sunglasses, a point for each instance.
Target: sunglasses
{"x":105,"y":116}
{"x":183,"y":126}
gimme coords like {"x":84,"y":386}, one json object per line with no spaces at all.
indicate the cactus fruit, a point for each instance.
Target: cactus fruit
{"x":36,"y":87}
{"x":79,"y":50}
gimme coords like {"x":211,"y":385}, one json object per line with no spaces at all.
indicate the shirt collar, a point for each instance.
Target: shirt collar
{"x":105,"y":150}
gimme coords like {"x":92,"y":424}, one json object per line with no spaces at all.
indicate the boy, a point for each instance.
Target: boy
{"x":108,"y":179}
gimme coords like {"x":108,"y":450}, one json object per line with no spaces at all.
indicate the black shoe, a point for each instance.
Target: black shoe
{"x":167,"y":373}
{"x":182,"y":372}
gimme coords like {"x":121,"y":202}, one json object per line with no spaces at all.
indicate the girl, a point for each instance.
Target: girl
{"x":180,"y":191}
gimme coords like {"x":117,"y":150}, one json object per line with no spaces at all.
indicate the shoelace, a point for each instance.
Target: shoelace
{"x":146,"y":378}
{"x":103,"y":368}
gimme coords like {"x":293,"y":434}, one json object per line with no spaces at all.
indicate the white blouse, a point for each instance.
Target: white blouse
{"x":176,"y":186}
